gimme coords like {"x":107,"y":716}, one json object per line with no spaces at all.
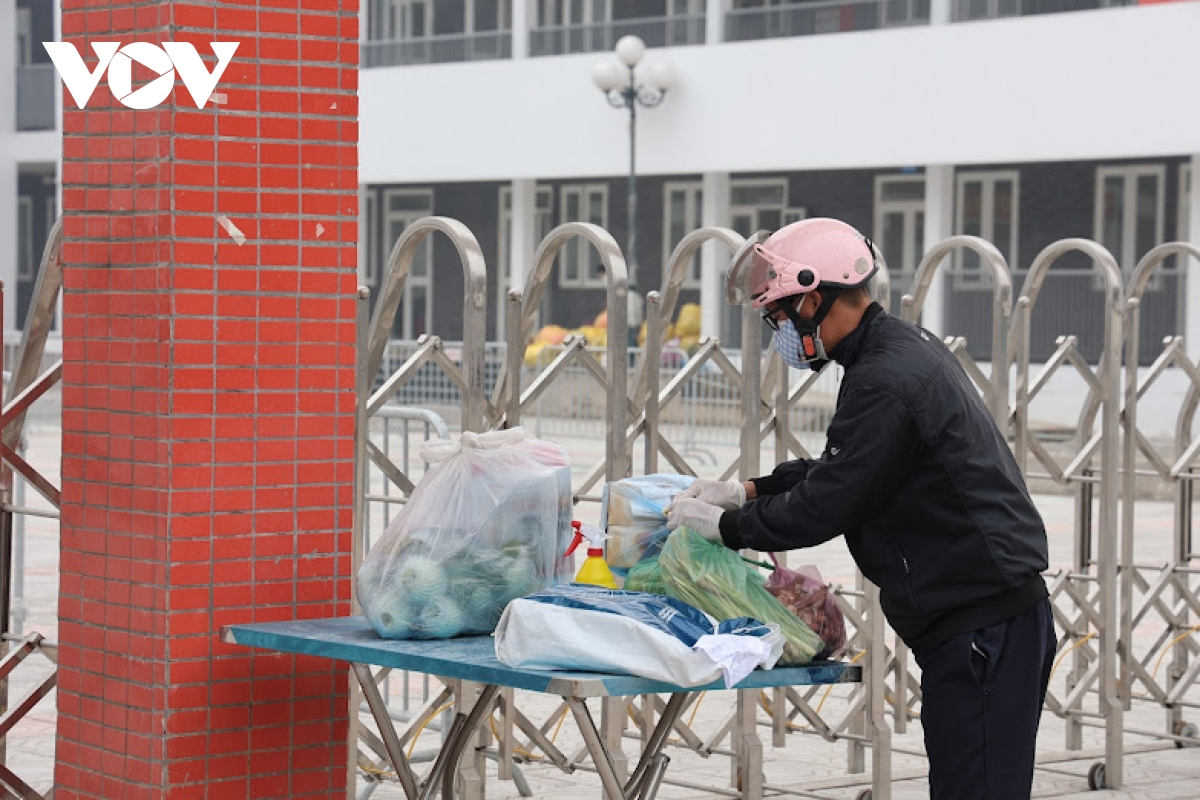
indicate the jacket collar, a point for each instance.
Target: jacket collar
{"x":850,"y":348}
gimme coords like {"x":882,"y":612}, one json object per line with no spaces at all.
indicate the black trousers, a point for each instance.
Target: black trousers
{"x":982,"y":700}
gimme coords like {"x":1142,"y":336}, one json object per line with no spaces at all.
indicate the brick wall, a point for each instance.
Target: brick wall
{"x":208,"y":406}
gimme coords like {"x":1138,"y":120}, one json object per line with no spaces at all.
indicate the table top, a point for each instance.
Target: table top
{"x":473,"y":658}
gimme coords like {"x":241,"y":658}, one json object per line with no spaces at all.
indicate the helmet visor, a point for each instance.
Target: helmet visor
{"x":748,"y":271}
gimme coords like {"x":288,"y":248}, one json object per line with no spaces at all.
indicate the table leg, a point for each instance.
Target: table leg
{"x":471,"y":773}
{"x":648,"y":774}
{"x":505,"y":743}
{"x":387,"y":730}
{"x":646,"y":718}
{"x":612,"y":726}
{"x":749,"y":746}
{"x":461,"y":733}
{"x":537,"y":738}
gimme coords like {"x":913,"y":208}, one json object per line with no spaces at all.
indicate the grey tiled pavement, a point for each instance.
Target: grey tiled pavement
{"x":806,"y":762}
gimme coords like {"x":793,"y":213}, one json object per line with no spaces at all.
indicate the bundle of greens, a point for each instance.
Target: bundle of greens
{"x":646,"y":576}
{"x":716,"y":580}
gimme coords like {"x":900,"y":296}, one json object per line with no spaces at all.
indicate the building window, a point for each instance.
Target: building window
{"x":371,"y":241}
{"x":24,"y":36}
{"x":1183,"y":231}
{"x":488,"y":15}
{"x":987,"y":208}
{"x":683,"y":212}
{"x":25,"y":255}
{"x":543,"y":223}
{"x":399,"y":20}
{"x":758,"y":204}
{"x":900,"y":222}
{"x":1130,"y":207}
{"x":578,"y":259}
{"x":402,"y":207}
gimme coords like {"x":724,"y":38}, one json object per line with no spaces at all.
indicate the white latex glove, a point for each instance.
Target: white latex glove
{"x":704,"y":518}
{"x":726,"y":494}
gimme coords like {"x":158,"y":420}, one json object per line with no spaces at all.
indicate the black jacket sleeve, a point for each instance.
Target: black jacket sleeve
{"x":870,"y":445}
{"x":783,"y":478}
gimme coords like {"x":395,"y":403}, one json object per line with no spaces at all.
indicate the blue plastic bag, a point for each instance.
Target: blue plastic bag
{"x":589,"y":628}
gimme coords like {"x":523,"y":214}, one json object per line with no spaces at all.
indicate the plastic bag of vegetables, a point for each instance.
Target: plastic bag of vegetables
{"x":804,"y":592}
{"x":716,"y":580}
{"x":488,"y":523}
{"x":646,"y":576}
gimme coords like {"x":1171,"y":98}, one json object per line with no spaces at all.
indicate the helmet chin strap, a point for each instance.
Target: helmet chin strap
{"x":812,"y":349}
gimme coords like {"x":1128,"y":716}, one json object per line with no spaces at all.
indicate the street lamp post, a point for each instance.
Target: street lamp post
{"x":618,"y":80}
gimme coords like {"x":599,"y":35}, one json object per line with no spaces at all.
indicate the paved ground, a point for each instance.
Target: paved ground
{"x":806,"y":762}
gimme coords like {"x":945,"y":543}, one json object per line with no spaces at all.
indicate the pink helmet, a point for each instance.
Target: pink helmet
{"x":798,"y":258}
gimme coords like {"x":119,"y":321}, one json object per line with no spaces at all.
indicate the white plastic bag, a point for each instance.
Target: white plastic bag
{"x":589,"y":628}
{"x":489,"y":522}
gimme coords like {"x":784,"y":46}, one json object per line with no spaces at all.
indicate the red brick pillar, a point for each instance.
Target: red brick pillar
{"x":207,"y":453}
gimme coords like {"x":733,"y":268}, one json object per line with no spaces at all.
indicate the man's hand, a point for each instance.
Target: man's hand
{"x":725,"y":494}
{"x":704,"y":518}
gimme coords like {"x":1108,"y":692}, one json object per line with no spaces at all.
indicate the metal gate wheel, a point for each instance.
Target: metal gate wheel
{"x":1188,"y":729}
{"x":1096,"y":777}
{"x":865,"y":794}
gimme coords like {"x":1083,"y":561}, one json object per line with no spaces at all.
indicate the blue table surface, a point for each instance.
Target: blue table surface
{"x":473,"y":658}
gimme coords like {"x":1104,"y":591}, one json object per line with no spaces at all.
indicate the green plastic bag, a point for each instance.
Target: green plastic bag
{"x":646,"y":576}
{"x":716,"y":580}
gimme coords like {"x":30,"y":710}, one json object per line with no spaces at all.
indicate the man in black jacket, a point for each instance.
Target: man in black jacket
{"x":921,"y":483}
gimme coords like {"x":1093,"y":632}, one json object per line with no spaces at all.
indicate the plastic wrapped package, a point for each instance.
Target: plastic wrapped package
{"x":632,"y":513}
{"x":582,"y":627}
{"x":805,"y":594}
{"x":716,"y":580}
{"x":488,"y":523}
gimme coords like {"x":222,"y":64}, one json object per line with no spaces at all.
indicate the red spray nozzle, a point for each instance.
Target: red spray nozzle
{"x":594,"y":535}
{"x":578,"y":526}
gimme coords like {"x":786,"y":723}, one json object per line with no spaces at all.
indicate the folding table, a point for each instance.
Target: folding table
{"x":473,"y":658}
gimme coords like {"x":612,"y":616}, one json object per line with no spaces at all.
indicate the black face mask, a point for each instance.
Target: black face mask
{"x":812,"y":349}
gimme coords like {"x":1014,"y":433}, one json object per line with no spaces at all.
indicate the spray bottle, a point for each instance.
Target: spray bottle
{"x":595,"y":569}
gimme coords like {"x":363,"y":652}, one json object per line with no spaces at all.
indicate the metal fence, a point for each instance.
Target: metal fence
{"x":1122,"y":616}
{"x":439,"y":49}
{"x":594,"y":37}
{"x":742,"y":24}
{"x":969,"y":10}
{"x":829,"y":16}
{"x":660,"y":410}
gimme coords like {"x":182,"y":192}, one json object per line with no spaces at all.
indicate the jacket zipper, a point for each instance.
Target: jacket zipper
{"x":912,"y":592}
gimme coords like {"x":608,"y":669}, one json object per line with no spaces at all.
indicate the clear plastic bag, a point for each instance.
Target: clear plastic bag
{"x":803,"y":592}
{"x":632,"y":514}
{"x":489,"y":522}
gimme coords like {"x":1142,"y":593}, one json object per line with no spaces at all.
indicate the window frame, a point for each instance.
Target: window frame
{"x":694,"y":190}
{"x":25,"y":255}
{"x":376,"y":21}
{"x":756,"y":210}
{"x":586,"y":279}
{"x":504,"y":234}
{"x":372,"y":267}
{"x":909,"y":208}
{"x":1183,"y":207}
{"x":425,"y":281}
{"x":24,"y":38}
{"x":1128,"y":258}
{"x":989,"y":178}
